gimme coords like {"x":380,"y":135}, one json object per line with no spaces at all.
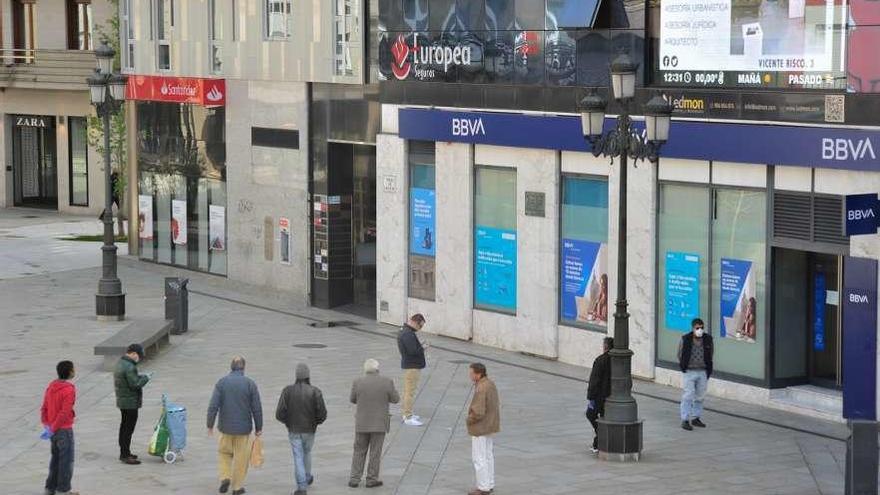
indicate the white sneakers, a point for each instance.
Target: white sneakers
{"x":413,"y":421}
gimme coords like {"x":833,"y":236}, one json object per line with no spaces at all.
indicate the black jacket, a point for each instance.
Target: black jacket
{"x":301,"y":408}
{"x":600,"y":378}
{"x":687,"y":343}
{"x":412,"y":354}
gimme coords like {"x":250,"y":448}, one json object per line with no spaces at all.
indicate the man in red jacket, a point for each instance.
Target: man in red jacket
{"x":57,"y":418}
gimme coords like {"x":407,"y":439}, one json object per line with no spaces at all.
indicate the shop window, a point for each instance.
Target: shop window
{"x":495,"y":246}
{"x":422,"y":220}
{"x":79,"y":25}
{"x":711,"y":265}
{"x":126,"y":32}
{"x":79,"y":161}
{"x":278,"y":19}
{"x":346,"y":31}
{"x":164,"y":24}
{"x":583,"y":271}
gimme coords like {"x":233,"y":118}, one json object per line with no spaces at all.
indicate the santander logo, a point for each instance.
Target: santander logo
{"x":402,"y":65}
{"x":164,"y":89}
{"x":214,"y":95}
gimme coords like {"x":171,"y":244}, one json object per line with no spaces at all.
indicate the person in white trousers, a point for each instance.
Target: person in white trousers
{"x":484,"y":421}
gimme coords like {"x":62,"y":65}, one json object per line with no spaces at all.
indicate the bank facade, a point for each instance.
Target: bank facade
{"x":497,"y":223}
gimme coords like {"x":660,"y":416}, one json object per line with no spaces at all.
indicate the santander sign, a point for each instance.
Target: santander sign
{"x":410,"y":58}
{"x":190,"y":90}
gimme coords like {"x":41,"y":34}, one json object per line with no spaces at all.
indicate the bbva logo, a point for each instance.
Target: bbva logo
{"x":468,"y":127}
{"x":858,"y":298}
{"x":840,"y":149}
{"x":860,"y":214}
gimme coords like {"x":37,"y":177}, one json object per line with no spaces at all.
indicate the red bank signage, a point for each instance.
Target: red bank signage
{"x":197,"y":91}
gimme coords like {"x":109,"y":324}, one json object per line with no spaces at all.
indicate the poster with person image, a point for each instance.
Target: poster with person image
{"x":145,"y":217}
{"x":178,"y":222}
{"x":739,"y":303}
{"x":584,"y":282}
{"x":217,"y":228}
{"x":284,"y":239}
{"x":422,"y":217}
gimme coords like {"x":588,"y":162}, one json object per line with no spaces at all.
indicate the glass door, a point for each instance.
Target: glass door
{"x":825,"y":328}
{"x":35,"y":171}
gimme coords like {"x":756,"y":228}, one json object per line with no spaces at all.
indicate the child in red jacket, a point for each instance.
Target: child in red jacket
{"x":57,"y":418}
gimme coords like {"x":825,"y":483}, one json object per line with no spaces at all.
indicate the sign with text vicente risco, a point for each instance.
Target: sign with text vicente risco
{"x":832,"y":147}
{"x":861,"y":214}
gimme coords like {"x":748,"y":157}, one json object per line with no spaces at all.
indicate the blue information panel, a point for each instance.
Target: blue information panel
{"x":583,"y":282}
{"x":682,"y":290}
{"x":819,"y":297}
{"x":738,"y":300}
{"x":859,"y":298}
{"x":495,"y":278}
{"x":422,"y":239}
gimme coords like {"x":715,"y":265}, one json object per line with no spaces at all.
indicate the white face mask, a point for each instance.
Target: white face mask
{"x":698,"y":332}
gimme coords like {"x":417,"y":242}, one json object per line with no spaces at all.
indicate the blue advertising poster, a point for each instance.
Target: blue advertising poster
{"x":819,"y":312}
{"x":584,"y":282}
{"x":739,"y":306}
{"x":495,"y":278}
{"x":682,"y":290}
{"x":422,"y":239}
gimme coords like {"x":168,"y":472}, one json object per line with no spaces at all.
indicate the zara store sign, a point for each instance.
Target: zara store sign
{"x":32,"y":121}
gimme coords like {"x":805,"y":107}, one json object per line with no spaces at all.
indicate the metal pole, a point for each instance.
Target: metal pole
{"x":110,"y":300}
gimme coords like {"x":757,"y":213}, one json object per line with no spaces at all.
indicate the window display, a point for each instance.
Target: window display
{"x":495,"y":247}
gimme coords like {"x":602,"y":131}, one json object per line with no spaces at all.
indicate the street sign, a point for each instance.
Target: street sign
{"x":861,"y":214}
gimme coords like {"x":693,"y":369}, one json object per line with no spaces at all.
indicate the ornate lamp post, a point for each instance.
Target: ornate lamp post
{"x":107,"y":92}
{"x":620,"y":431}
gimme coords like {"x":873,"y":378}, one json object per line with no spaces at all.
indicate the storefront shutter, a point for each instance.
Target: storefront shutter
{"x":792,"y":217}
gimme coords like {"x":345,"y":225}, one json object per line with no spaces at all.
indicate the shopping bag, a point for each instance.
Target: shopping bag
{"x":159,"y":438}
{"x":257,"y":453}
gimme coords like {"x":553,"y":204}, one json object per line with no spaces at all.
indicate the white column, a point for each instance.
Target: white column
{"x":391,"y":229}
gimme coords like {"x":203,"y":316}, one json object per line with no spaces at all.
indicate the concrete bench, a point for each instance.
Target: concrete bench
{"x":149,"y":333}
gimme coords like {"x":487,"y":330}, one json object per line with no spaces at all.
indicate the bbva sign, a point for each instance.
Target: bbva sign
{"x":841,"y":149}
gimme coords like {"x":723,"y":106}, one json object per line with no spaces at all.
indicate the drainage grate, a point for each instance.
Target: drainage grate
{"x":330,"y":324}
{"x":31,"y":216}
{"x":460,"y":361}
{"x":310,"y":346}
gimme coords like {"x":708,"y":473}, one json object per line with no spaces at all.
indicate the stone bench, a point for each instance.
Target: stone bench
{"x":149,"y":333}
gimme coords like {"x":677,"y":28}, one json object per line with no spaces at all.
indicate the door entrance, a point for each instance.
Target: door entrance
{"x":35,"y":173}
{"x":825,"y":276}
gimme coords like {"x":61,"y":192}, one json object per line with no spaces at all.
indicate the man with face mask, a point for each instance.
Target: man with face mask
{"x":695,"y":361}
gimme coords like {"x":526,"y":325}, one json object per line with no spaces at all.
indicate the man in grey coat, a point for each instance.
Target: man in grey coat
{"x":371,"y":393}
{"x":236,"y":400}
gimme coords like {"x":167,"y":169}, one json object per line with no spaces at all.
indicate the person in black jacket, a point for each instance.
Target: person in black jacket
{"x":695,"y":360}
{"x":412,"y":361}
{"x":301,"y":408}
{"x":599,"y":389}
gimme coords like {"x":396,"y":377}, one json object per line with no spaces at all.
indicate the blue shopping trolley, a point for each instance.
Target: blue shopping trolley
{"x":175,"y":421}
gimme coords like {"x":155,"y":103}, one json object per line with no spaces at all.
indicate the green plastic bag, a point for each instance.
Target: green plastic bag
{"x":159,"y":438}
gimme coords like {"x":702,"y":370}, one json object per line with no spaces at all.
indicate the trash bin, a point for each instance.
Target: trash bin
{"x":177,"y":303}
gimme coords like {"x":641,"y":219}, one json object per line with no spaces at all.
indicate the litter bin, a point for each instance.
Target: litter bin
{"x":177,"y":303}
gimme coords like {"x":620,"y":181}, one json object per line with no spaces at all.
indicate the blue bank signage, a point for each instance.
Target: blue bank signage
{"x":859,"y":300}
{"x":841,"y":148}
{"x":861,"y":214}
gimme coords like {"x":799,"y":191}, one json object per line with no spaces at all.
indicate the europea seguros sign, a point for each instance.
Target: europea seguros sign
{"x":409,"y":57}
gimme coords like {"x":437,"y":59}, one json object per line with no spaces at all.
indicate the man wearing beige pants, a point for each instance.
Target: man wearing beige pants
{"x":412,"y":361}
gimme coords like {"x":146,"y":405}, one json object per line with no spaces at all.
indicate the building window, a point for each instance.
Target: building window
{"x":712,"y":265}
{"x":278,"y":19}
{"x":126,"y":32}
{"x":583,"y":271}
{"x":164,"y":25}
{"x":234,"y":9}
{"x":79,"y":25}
{"x":346,"y":30}
{"x":23,"y":31}
{"x":79,"y":161}
{"x":495,"y":247}
{"x":422,"y":220}
{"x":215,"y":35}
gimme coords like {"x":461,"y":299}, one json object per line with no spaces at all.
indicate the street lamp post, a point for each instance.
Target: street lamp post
{"x":620,"y":431}
{"x":107,"y":92}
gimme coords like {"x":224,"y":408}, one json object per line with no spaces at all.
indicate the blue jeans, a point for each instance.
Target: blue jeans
{"x":302,"y":443}
{"x":693,"y":384}
{"x":61,"y":464}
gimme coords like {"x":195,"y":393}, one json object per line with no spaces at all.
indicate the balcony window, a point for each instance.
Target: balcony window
{"x":79,"y":25}
{"x":278,"y":19}
{"x":23,"y":31}
{"x":164,"y":24}
{"x":126,"y":32}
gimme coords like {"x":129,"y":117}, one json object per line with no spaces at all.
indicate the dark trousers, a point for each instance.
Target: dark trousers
{"x":126,"y":430}
{"x":362,"y":443}
{"x":593,"y":417}
{"x":61,"y":464}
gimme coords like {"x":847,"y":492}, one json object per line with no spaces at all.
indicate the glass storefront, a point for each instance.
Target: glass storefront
{"x":583,"y":276}
{"x":422,"y":220}
{"x":712,"y":263}
{"x":181,"y":153}
{"x":495,"y":247}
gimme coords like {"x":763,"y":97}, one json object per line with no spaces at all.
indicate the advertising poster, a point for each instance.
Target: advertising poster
{"x":739,"y":306}
{"x":682,"y":290}
{"x":584,"y":281}
{"x":284,"y":229}
{"x":819,"y":299}
{"x":217,"y":227}
{"x":422,"y":217}
{"x":145,"y":217}
{"x":178,"y":222}
{"x":495,"y":278}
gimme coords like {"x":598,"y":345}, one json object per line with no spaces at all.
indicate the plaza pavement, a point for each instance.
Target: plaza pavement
{"x":49,"y":316}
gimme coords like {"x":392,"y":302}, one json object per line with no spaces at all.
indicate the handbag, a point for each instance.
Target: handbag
{"x":257,"y":457}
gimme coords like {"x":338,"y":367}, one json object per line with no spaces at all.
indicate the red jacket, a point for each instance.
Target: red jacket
{"x":57,"y":411}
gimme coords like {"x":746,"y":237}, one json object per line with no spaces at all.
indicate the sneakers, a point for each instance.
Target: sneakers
{"x":699,"y":424}
{"x":413,"y":421}
{"x":374,"y":484}
{"x":224,"y":486}
{"x":594,"y":450}
{"x":685,"y":425}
